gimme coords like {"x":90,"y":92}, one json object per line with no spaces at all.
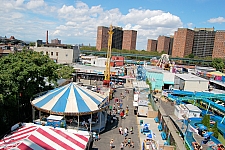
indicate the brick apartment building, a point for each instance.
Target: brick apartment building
{"x":102,"y":38}
{"x":203,"y":42}
{"x":122,"y":39}
{"x":129,"y":39}
{"x":117,"y":38}
{"x":219,"y":45}
{"x":152,"y":45}
{"x":163,"y":44}
{"x":183,"y":42}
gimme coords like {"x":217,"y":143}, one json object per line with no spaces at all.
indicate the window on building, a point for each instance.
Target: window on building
{"x":51,"y":53}
{"x":57,"y":53}
{"x":46,"y":53}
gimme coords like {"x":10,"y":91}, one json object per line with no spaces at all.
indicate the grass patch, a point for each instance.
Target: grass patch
{"x":221,"y":139}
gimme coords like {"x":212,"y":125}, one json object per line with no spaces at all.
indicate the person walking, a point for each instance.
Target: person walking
{"x":131,"y":130}
{"x":122,"y":146}
{"x":111,"y":144}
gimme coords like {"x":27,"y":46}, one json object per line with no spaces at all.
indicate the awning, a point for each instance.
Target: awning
{"x":32,"y":136}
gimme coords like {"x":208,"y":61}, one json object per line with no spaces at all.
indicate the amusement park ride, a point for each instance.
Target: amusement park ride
{"x":106,"y":81}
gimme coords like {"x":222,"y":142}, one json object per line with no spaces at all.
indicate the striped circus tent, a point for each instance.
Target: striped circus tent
{"x":32,"y":137}
{"x":70,"y":99}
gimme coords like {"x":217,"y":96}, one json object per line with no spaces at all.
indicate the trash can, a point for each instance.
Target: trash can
{"x":141,"y":122}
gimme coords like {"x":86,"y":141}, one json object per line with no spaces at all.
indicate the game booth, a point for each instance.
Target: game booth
{"x":71,"y":106}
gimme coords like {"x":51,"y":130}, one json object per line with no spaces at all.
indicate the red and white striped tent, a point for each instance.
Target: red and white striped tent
{"x":33,"y":137}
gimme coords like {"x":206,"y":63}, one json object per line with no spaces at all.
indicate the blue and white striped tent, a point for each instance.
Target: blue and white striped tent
{"x":70,"y":99}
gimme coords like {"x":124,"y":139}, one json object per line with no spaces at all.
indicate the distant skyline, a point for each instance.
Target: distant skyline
{"x":75,"y":22}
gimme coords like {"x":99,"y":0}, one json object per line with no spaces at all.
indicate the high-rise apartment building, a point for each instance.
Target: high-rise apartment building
{"x":183,"y":42}
{"x":117,"y":38}
{"x":102,"y":37}
{"x":121,"y":39}
{"x":203,"y":42}
{"x":163,"y":44}
{"x":219,"y":45}
{"x":129,"y":39}
{"x":152,"y":45}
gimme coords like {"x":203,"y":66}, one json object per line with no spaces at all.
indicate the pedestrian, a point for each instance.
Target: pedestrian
{"x":129,"y":142}
{"x":131,"y":130}
{"x":125,"y":132}
{"x":132,"y":144}
{"x":126,"y":112}
{"x":111,"y":144}
{"x":125,"y":142}
{"x":121,"y":114}
{"x":120,"y":130}
{"x":122,"y":146}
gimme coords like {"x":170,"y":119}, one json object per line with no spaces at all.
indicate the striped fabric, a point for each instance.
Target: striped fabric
{"x":42,"y":138}
{"x":70,"y":98}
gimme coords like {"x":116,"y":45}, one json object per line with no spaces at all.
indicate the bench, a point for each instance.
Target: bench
{"x":156,"y":120}
{"x":160,"y":127}
{"x":163,"y":135}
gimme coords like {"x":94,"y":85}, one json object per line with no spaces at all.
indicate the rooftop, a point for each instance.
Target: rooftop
{"x":190,"y":77}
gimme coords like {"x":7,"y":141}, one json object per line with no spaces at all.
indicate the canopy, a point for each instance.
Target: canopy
{"x":32,"y":136}
{"x":216,"y":73}
{"x":207,"y":134}
{"x":70,"y":99}
{"x":202,"y":127}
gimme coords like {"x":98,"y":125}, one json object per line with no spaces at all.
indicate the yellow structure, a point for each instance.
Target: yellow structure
{"x":107,"y":69}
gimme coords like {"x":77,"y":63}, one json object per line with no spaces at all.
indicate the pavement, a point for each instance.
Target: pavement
{"x":112,"y":130}
{"x":153,"y":127}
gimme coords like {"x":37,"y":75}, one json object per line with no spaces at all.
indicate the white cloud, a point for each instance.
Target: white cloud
{"x":78,"y":23}
{"x":217,"y":20}
{"x":35,"y":4}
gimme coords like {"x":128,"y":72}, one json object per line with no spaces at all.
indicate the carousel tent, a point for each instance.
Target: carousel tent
{"x":70,"y":99}
{"x":31,"y":136}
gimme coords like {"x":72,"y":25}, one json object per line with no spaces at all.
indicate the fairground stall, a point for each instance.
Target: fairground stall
{"x":29,"y":136}
{"x":80,"y":108}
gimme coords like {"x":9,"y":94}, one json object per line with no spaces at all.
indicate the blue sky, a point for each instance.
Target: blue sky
{"x":75,"y":22}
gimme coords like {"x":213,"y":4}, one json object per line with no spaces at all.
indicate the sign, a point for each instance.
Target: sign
{"x":143,"y":103}
{"x":135,"y":97}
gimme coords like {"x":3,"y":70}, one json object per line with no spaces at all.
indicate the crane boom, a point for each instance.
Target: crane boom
{"x":107,"y":69}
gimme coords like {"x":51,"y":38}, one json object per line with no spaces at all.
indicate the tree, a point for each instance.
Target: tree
{"x":215,"y":130}
{"x":206,"y":121}
{"x":218,"y":64}
{"x":21,"y":76}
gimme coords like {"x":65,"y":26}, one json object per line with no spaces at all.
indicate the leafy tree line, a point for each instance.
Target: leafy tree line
{"x":217,"y":63}
{"x":23,"y":75}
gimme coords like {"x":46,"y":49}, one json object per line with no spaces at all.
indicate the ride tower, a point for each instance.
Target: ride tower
{"x":106,"y":81}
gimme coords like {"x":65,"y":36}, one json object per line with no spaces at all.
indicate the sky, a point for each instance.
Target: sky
{"x":76,"y":21}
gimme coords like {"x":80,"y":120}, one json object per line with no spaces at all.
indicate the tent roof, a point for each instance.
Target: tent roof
{"x":32,"y":136}
{"x":69,"y":100}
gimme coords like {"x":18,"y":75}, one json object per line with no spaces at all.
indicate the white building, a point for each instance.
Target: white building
{"x":189,"y":82}
{"x":187,"y":110}
{"x":98,"y":62}
{"x":60,"y":55}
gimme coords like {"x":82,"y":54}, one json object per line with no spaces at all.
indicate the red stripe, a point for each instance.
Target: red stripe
{"x":82,"y":137}
{"x":24,"y":147}
{"x":15,"y":140}
{"x":52,"y":138}
{"x":70,"y":139}
{"x":13,"y":135}
{"x":40,"y":142}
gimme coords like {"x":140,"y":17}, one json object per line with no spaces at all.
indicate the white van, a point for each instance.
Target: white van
{"x":142,"y":111}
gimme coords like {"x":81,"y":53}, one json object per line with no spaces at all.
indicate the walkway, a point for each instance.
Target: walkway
{"x":112,"y":131}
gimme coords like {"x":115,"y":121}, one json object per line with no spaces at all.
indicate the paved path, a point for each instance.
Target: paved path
{"x":112,"y":131}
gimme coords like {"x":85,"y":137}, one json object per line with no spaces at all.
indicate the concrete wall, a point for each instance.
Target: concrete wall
{"x":59,"y":55}
{"x":196,"y":86}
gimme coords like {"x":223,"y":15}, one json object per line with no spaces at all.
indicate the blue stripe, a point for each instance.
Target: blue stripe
{"x":49,"y":97}
{"x":82,"y":107}
{"x":60,"y":105}
{"x":94,"y":99}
